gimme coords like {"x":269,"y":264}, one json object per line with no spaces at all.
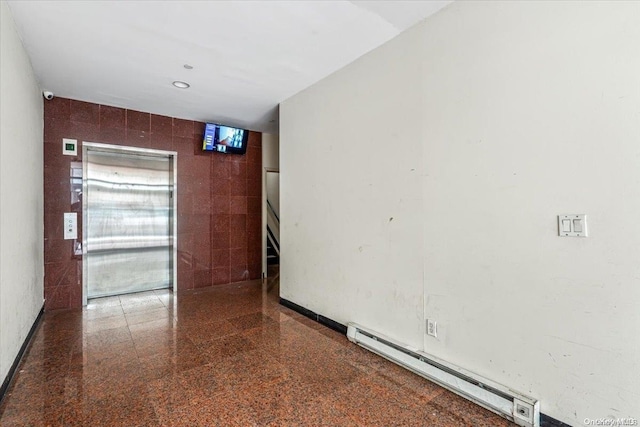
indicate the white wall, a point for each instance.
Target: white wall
{"x":21,"y":194}
{"x":350,"y":194}
{"x":270,"y":150}
{"x":271,"y":159}
{"x":511,"y":113}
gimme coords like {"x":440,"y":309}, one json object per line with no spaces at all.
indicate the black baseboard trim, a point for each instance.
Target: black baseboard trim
{"x":329,"y":323}
{"x":16,"y":362}
{"x":547,"y":421}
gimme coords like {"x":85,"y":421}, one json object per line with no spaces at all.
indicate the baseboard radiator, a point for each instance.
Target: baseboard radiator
{"x":497,"y":398}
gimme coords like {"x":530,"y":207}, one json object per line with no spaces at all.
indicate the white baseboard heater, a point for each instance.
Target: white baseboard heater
{"x":497,"y":398}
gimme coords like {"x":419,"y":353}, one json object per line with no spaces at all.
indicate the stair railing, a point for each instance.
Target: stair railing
{"x":273,"y":227}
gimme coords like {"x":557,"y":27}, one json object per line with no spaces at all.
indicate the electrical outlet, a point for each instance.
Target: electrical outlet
{"x":432,"y":328}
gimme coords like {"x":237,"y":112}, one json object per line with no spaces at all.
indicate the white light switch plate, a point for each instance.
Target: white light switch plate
{"x":573,"y":225}
{"x":70,"y":225}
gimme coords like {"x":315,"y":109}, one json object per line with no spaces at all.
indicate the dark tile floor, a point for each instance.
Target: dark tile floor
{"x":227,"y":356}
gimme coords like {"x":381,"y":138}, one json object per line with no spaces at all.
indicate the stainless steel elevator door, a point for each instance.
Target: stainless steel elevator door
{"x":129,"y":208}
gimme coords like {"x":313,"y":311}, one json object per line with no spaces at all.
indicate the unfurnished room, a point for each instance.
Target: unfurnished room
{"x":320,"y":213}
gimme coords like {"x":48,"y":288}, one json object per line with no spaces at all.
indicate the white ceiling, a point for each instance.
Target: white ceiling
{"x":247,"y":56}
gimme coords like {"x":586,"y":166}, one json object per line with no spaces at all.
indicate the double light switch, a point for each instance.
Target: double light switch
{"x":574,"y":225}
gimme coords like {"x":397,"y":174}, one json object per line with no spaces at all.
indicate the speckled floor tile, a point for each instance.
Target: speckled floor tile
{"x":162,"y":323}
{"x":216,"y":350}
{"x":449,"y":406}
{"x":215,"y":411}
{"x":44,"y":405}
{"x":157,"y":343}
{"x":143,"y":306}
{"x":205,"y":333}
{"x":290,"y":404}
{"x":361,"y":400}
{"x":104,"y":323}
{"x":183,"y":356}
{"x":124,"y":407}
{"x":99,"y":312}
{"x":243,"y":370}
{"x":106,"y":337}
{"x":147,"y":316}
{"x":221,"y":356}
{"x":251,"y":321}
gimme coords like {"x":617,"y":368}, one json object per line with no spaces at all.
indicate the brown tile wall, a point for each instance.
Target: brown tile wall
{"x":219,"y":208}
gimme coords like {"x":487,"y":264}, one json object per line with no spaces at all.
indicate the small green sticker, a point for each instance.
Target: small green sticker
{"x":69,"y":147}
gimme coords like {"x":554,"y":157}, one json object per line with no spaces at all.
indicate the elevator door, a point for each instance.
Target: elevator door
{"x":129,"y":212}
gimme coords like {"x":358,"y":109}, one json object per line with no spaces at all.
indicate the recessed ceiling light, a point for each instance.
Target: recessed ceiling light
{"x":188,"y":67}
{"x":181,"y":85}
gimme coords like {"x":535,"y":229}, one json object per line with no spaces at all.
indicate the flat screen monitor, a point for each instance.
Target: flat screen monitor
{"x":224,"y":139}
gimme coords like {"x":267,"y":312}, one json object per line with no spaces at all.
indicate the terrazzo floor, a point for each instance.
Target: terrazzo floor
{"x":224,"y":356}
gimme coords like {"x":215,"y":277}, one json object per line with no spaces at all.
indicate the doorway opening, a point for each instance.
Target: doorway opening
{"x":129,"y":218}
{"x":271,"y":226}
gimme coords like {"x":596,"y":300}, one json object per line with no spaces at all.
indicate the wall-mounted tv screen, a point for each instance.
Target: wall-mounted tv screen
{"x":224,"y":139}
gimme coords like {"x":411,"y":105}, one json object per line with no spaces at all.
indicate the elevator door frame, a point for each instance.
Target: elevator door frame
{"x":173,"y":223}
